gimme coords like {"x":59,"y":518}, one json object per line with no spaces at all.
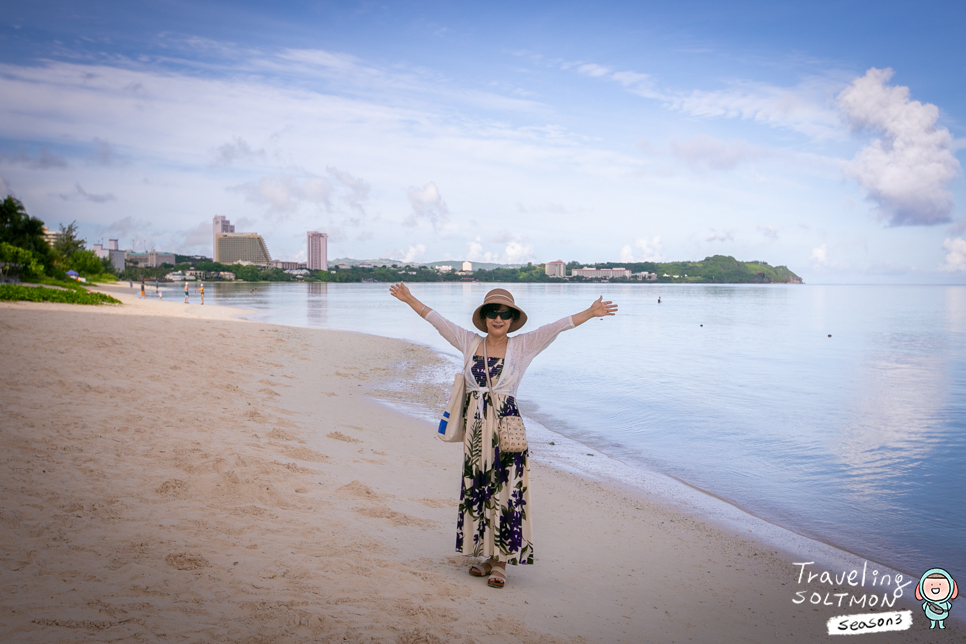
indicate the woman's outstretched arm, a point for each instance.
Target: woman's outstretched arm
{"x":401,"y":292}
{"x":452,"y":333}
{"x":598,"y":309}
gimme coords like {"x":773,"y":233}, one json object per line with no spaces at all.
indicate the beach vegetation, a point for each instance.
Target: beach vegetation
{"x":18,"y":292}
{"x":19,"y":229}
{"x":67,"y":242}
{"x":19,"y":262}
{"x":25,"y":253}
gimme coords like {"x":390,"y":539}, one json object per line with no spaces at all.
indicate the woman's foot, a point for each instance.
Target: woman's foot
{"x":483,"y":569}
{"x":497,"y":576}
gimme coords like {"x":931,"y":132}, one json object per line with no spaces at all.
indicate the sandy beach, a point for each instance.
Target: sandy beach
{"x":171,"y":473}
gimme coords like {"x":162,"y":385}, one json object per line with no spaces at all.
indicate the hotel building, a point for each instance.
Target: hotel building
{"x":151,"y":259}
{"x":229,"y":247}
{"x":219,"y":225}
{"x":318,"y":251}
{"x":555,"y":269}
{"x":232,"y":248}
{"x":599,"y":273}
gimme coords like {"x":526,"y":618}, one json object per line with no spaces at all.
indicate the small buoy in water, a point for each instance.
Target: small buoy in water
{"x":702,"y":325}
{"x":830,"y":335}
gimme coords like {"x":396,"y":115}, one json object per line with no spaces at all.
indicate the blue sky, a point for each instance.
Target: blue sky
{"x":825,"y":136}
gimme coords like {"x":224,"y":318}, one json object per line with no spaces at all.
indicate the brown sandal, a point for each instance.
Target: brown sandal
{"x":481,"y":569}
{"x":497,"y":578}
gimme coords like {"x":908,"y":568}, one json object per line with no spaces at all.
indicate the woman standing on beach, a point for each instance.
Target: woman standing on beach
{"x":494,"y":503}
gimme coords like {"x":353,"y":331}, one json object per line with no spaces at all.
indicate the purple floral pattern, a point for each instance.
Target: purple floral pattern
{"x":494,"y":500}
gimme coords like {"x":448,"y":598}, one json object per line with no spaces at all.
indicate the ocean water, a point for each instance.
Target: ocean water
{"x":838,"y":412}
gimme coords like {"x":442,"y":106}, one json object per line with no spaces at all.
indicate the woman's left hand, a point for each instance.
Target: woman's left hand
{"x":601,"y":309}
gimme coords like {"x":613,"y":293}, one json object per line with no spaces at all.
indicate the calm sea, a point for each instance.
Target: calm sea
{"x":838,"y":412}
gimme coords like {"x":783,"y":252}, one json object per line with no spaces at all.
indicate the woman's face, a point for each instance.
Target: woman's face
{"x":498,"y":327}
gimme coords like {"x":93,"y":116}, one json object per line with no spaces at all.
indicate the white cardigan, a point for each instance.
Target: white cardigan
{"x":521,"y":349}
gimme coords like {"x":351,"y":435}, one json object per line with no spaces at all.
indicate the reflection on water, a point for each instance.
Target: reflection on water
{"x":837,"y":411}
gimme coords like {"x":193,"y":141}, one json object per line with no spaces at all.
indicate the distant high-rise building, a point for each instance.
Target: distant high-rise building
{"x":150,"y":259}
{"x":231,"y":248}
{"x":116,"y":255}
{"x":467,"y":267}
{"x":555,"y":269}
{"x":318,"y":251}
{"x":50,"y":236}
{"x":219,"y":225}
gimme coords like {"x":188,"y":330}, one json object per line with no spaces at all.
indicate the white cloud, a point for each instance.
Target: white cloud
{"x":771,"y":232}
{"x":721,"y":235}
{"x":201,"y":235}
{"x":703,"y":152}
{"x":79,"y":194}
{"x":820,"y":255}
{"x":414,"y":253}
{"x":475,"y":253}
{"x":803,"y":108}
{"x":591,"y":69}
{"x":284,"y":193}
{"x":45,"y":160}
{"x":428,"y":204}
{"x":237,"y":150}
{"x":358,"y":188}
{"x":515,"y":252}
{"x":104,"y":153}
{"x":652,"y":250}
{"x":908,"y":170}
{"x":518,"y":253}
{"x":955,"y":255}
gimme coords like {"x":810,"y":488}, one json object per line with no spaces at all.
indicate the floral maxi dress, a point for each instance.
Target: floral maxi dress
{"x":495,"y":496}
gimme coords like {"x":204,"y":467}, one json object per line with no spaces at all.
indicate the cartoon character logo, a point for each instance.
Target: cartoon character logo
{"x":936,"y":590}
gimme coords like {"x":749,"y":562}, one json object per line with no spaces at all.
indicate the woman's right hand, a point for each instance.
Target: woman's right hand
{"x":401,"y":292}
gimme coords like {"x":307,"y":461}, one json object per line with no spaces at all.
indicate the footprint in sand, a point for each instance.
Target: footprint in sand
{"x":280,"y":435}
{"x":339,"y":436}
{"x":396,"y":518}
{"x":358,"y":489}
{"x":305,"y":454}
{"x":186,"y":561}
{"x":174,"y":488}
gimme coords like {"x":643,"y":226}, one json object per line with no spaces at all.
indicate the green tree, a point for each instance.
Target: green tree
{"x":85,"y":262}
{"x":68,"y":242}
{"x":19,"y":229}
{"x":14,"y":256}
{"x":107,"y":266}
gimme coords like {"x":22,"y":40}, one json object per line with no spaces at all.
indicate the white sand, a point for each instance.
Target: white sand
{"x":171,"y":474}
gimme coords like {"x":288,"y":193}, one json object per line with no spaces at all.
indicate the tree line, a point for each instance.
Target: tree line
{"x":24,"y":250}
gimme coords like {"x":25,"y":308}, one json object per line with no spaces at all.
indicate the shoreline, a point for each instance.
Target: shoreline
{"x":347,"y":485}
{"x":636,"y":479}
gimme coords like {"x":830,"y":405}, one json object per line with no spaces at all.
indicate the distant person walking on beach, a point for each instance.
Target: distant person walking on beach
{"x":494,"y":508}
{"x":142,"y":289}
{"x":201,"y":291}
{"x":186,"y":292}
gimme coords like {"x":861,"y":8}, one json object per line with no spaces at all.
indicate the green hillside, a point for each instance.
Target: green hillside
{"x":718,"y":268}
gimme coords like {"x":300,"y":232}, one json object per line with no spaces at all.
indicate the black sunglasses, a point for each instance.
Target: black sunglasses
{"x":504,"y":315}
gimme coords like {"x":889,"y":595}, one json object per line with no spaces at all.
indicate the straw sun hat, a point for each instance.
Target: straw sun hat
{"x":498,"y":296}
